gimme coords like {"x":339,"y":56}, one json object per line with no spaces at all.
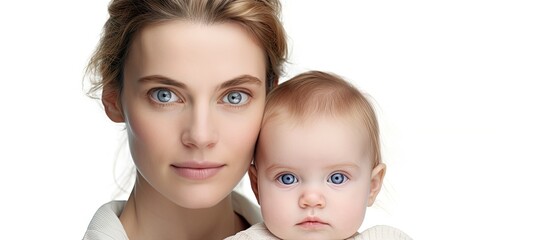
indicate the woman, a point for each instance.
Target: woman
{"x":189,"y":79}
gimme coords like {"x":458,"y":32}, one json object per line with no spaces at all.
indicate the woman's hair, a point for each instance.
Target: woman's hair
{"x":127,"y":17}
{"x":313,"y":94}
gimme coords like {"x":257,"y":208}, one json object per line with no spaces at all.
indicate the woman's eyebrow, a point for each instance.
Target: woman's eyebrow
{"x":163,"y":80}
{"x":240,"y":80}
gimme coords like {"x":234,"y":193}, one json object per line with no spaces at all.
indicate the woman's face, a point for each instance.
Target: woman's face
{"x":192,"y":101}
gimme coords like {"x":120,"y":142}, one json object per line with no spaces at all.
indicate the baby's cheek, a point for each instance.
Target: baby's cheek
{"x":275,"y":205}
{"x":351,"y":215}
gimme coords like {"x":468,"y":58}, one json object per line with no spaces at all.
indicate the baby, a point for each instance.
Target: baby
{"x":317,"y":164}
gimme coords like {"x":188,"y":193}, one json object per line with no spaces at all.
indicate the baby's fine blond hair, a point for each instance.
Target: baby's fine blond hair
{"x":320,"y":94}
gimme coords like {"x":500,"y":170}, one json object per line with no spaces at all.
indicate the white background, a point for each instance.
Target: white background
{"x":460,"y":86}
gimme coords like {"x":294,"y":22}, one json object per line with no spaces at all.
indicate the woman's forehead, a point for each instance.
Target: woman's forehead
{"x":188,"y":50}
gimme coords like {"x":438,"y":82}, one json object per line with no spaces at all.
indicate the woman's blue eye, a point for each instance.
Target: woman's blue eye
{"x":164,"y":96}
{"x":337,"y":178}
{"x":236,"y":98}
{"x":287,"y":179}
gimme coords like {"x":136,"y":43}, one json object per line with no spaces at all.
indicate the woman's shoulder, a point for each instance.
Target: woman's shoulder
{"x":105,"y":224}
{"x":246,"y":208}
{"x":381,"y":232}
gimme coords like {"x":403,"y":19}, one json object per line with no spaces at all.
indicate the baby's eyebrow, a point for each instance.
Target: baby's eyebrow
{"x":276,"y":167}
{"x":343,"y":165}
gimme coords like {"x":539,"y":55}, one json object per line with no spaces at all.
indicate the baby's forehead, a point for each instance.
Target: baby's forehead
{"x":282,"y":119}
{"x":328,"y":135}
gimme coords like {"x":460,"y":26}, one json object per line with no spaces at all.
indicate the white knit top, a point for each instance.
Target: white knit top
{"x":106,"y":225}
{"x":380,"y":232}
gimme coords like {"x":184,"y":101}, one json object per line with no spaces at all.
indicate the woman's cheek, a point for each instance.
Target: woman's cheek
{"x":243,"y":131}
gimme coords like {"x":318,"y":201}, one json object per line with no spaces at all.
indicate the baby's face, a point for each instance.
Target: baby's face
{"x":314,"y":178}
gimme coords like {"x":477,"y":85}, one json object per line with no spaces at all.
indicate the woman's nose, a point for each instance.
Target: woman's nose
{"x":312,"y":199}
{"x":200,"y":130}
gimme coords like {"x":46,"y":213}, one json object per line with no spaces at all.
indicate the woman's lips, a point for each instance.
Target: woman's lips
{"x":195,"y":170}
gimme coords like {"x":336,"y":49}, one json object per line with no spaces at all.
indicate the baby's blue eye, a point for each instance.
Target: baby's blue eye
{"x":338,"y":178}
{"x":287,"y":179}
{"x":236,"y":98}
{"x":163,"y":96}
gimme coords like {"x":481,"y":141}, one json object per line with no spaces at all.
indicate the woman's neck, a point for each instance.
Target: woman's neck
{"x":149,"y":215}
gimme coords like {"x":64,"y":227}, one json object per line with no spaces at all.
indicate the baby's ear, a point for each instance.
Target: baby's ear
{"x":376,"y":180}
{"x":252,"y":173}
{"x":111,"y":101}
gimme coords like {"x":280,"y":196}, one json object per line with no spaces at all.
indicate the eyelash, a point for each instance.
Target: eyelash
{"x":278,"y":178}
{"x":160,"y":104}
{"x":181,"y":99}
{"x":244,"y":91}
{"x":345,"y":178}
